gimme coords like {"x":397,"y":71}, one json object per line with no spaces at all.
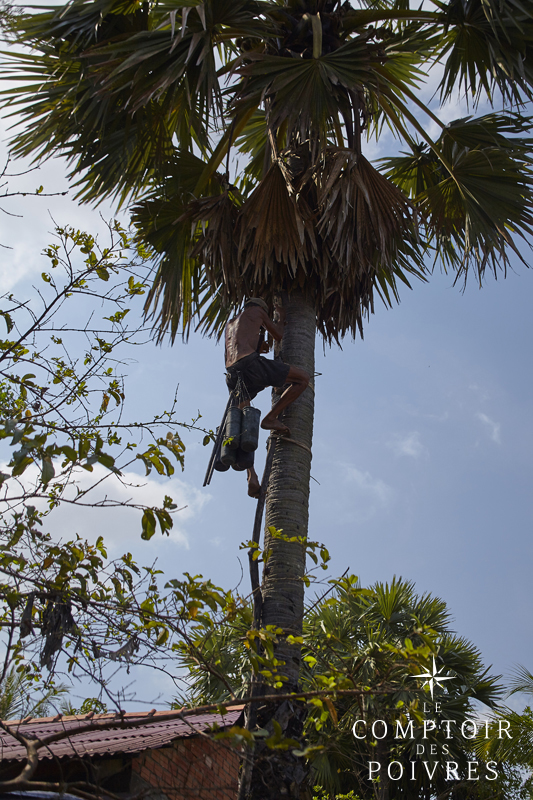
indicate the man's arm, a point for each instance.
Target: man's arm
{"x":274,"y":328}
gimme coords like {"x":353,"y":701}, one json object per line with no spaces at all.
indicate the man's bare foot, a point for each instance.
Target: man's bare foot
{"x":269,"y":424}
{"x":254,"y":487}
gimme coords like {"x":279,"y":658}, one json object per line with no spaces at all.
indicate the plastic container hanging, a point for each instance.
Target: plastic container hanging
{"x":233,"y":427}
{"x":251,"y":418}
{"x":228,"y":457}
{"x":243,"y":460}
{"x":232,"y":436}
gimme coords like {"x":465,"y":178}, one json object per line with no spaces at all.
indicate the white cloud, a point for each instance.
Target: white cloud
{"x":28,"y":221}
{"x":480,"y":391}
{"x":218,"y":541}
{"x":439,"y":417}
{"x":121,"y":526}
{"x":21,"y":264}
{"x":376,"y":492}
{"x":493,"y":427}
{"x":409,"y":445}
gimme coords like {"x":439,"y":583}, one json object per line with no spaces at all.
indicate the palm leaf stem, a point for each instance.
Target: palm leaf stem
{"x":354,"y":20}
{"x":412,"y":119}
{"x":221,"y":149}
{"x":402,"y":86}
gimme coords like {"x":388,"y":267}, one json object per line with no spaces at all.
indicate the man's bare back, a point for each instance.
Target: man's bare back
{"x":243,"y":332}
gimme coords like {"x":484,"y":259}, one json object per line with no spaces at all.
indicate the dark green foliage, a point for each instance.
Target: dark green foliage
{"x":373,"y":642}
{"x":147,"y":100}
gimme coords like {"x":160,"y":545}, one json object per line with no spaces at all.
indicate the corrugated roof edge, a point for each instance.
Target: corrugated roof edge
{"x":114,"y":715}
{"x":108,"y":734}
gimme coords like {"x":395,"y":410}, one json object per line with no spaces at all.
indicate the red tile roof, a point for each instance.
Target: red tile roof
{"x":132,"y":733}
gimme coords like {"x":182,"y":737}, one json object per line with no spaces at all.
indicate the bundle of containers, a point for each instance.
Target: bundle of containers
{"x":241,"y":439}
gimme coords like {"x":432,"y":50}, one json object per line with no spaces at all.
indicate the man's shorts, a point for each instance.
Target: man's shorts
{"x":256,"y":373}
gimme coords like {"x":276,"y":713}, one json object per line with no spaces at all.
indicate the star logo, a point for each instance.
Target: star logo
{"x":433,"y":678}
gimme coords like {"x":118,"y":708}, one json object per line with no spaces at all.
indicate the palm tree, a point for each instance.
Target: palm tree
{"x":368,"y":637}
{"x":17,"y":696}
{"x":517,"y":748}
{"x":238,"y":129}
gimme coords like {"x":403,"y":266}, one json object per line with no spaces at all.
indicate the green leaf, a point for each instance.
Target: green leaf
{"x":102,"y":273}
{"x":47,"y":471}
{"x":21,"y":463}
{"x":8,"y":320}
{"x":163,"y":637}
{"x":148,"y":524}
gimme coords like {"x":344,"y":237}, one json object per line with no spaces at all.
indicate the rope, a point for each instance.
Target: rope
{"x":240,"y":392}
{"x":293,"y":441}
{"x":312,"y":385}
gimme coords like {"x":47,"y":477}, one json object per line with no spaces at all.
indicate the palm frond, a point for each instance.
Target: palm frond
{"x":362,"y":240}
{"x":478,"y":208}
{"x":361,"y":633}
{"x":18,"y":700}
{"x":368,"y":233}
{"x":111,"y":85}
{"x":253,"y":142}
{"x":303,"y":94}
{"x":274,"y":233}
{"x":521,"y":681}
{"x":213,"y":242}
{"x":178,"y":284}
{"x":111,"y":151}
{"x":487,"y":47}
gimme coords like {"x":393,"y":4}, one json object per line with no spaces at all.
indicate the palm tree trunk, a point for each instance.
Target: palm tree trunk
{"x":287,"y":504}
{"x":278,"y":773}
{"x":383,"y":756}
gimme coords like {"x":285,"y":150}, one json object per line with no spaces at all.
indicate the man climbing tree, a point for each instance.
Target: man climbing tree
{"x":244,"y":344}
{"x":132,"y":95}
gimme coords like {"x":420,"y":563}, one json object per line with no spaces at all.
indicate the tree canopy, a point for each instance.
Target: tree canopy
{"x":146,"y":100}
{"x":373,"y":637}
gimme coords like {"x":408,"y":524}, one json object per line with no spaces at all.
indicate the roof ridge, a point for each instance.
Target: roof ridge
{"x":138,"y":732}
{"x":110,"y":715}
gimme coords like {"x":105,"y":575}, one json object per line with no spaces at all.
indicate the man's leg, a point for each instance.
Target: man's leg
{"x":299,"y":381}
{"x":254,"y":487}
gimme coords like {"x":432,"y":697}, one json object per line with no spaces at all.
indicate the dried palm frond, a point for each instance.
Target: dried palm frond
{"x":368,"y":233}
{"x":213,"y":222}
{"x":275,"y":235}
{"x":363,"y":216}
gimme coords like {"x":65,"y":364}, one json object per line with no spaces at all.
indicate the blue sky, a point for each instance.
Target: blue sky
{"x":422,"y":455}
